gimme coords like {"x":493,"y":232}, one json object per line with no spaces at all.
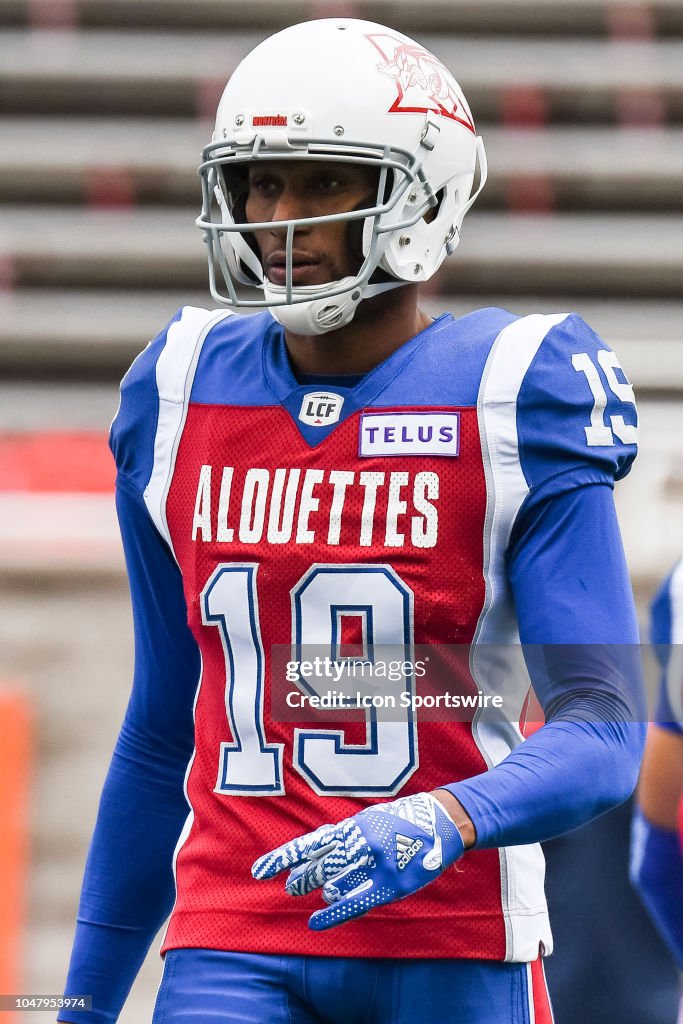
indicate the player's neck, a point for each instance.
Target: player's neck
{"x":380,"y":326}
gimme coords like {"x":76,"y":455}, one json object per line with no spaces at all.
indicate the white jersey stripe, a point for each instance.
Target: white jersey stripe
{"x":174,"y":376}
{"x":496,"y":659}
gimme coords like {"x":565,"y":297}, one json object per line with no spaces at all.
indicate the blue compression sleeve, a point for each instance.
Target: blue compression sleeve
{"x":665,"y":614}
{"x":571,"y":589}
{"x":657,"y":874}
{"x":128,"y":887}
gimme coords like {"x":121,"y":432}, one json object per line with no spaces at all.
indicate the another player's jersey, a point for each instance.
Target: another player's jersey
{"x":302,"y":515}
{"x":667,"y":638}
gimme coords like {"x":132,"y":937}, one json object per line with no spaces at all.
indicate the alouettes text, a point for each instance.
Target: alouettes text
{"x":310,"y":506}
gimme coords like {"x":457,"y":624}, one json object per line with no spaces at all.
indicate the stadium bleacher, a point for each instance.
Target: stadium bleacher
{"x":104,"y":107}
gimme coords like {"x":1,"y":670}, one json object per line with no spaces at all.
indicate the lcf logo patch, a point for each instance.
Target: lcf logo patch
{"x":410,"y":433}
{"x":320,"y":408}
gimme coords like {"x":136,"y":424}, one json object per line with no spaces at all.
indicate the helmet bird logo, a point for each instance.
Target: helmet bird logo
{"x":422,"y":81}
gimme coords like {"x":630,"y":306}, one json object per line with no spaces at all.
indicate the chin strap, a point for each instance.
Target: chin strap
{"x":321,"y":315}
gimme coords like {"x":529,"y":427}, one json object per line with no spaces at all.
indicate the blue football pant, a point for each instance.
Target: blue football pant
{"x":201,"y":986}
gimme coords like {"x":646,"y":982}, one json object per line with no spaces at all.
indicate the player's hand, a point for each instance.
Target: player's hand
{"x":381,"y":854}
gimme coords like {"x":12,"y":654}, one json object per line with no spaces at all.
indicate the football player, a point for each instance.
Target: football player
{"x":338,"y":469}
{"x":657,"y":838}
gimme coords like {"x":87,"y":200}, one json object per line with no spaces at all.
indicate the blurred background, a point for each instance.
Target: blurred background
{"x":104,"y":108}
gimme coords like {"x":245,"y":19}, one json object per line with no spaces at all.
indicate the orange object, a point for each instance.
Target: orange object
{"x":56,"y":461}
{"x":15,"y":764}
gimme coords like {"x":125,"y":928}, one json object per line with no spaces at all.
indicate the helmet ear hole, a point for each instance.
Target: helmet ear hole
{"x":433,"y":212}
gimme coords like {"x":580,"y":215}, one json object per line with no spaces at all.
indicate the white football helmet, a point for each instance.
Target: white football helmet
{"x":341,"y":89}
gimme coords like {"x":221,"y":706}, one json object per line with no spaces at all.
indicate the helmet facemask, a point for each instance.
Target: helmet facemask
{"x":403,"y":196}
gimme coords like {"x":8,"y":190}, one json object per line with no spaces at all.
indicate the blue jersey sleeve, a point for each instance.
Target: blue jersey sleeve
{"x":576,"y":430}
{"x":666,"y":634}
{"x":656,"y":855}
{"x":576,"y":415}
{"x":131,"y":437}
{"x":128,"y":887}
{"x":575,"y":609}
{"x":656,"y":871}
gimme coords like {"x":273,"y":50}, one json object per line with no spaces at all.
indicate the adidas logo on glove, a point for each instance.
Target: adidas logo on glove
{"x":406,"y":849}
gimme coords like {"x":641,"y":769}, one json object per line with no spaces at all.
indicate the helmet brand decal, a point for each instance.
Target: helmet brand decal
{"x":320,"y":408}
{"x":269,"y":121}
{"x":423,"y":83}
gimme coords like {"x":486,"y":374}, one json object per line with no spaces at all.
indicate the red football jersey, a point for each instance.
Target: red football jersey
{"x":341,"y":518}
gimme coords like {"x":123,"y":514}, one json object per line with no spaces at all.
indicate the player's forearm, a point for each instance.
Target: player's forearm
{"x":128,"y":887}
{"x":97,"y":949}
{"x":657,"y":874}
{"x":656,"y":852}
{"x":577,"y":622}
{"x":560,"y":778}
